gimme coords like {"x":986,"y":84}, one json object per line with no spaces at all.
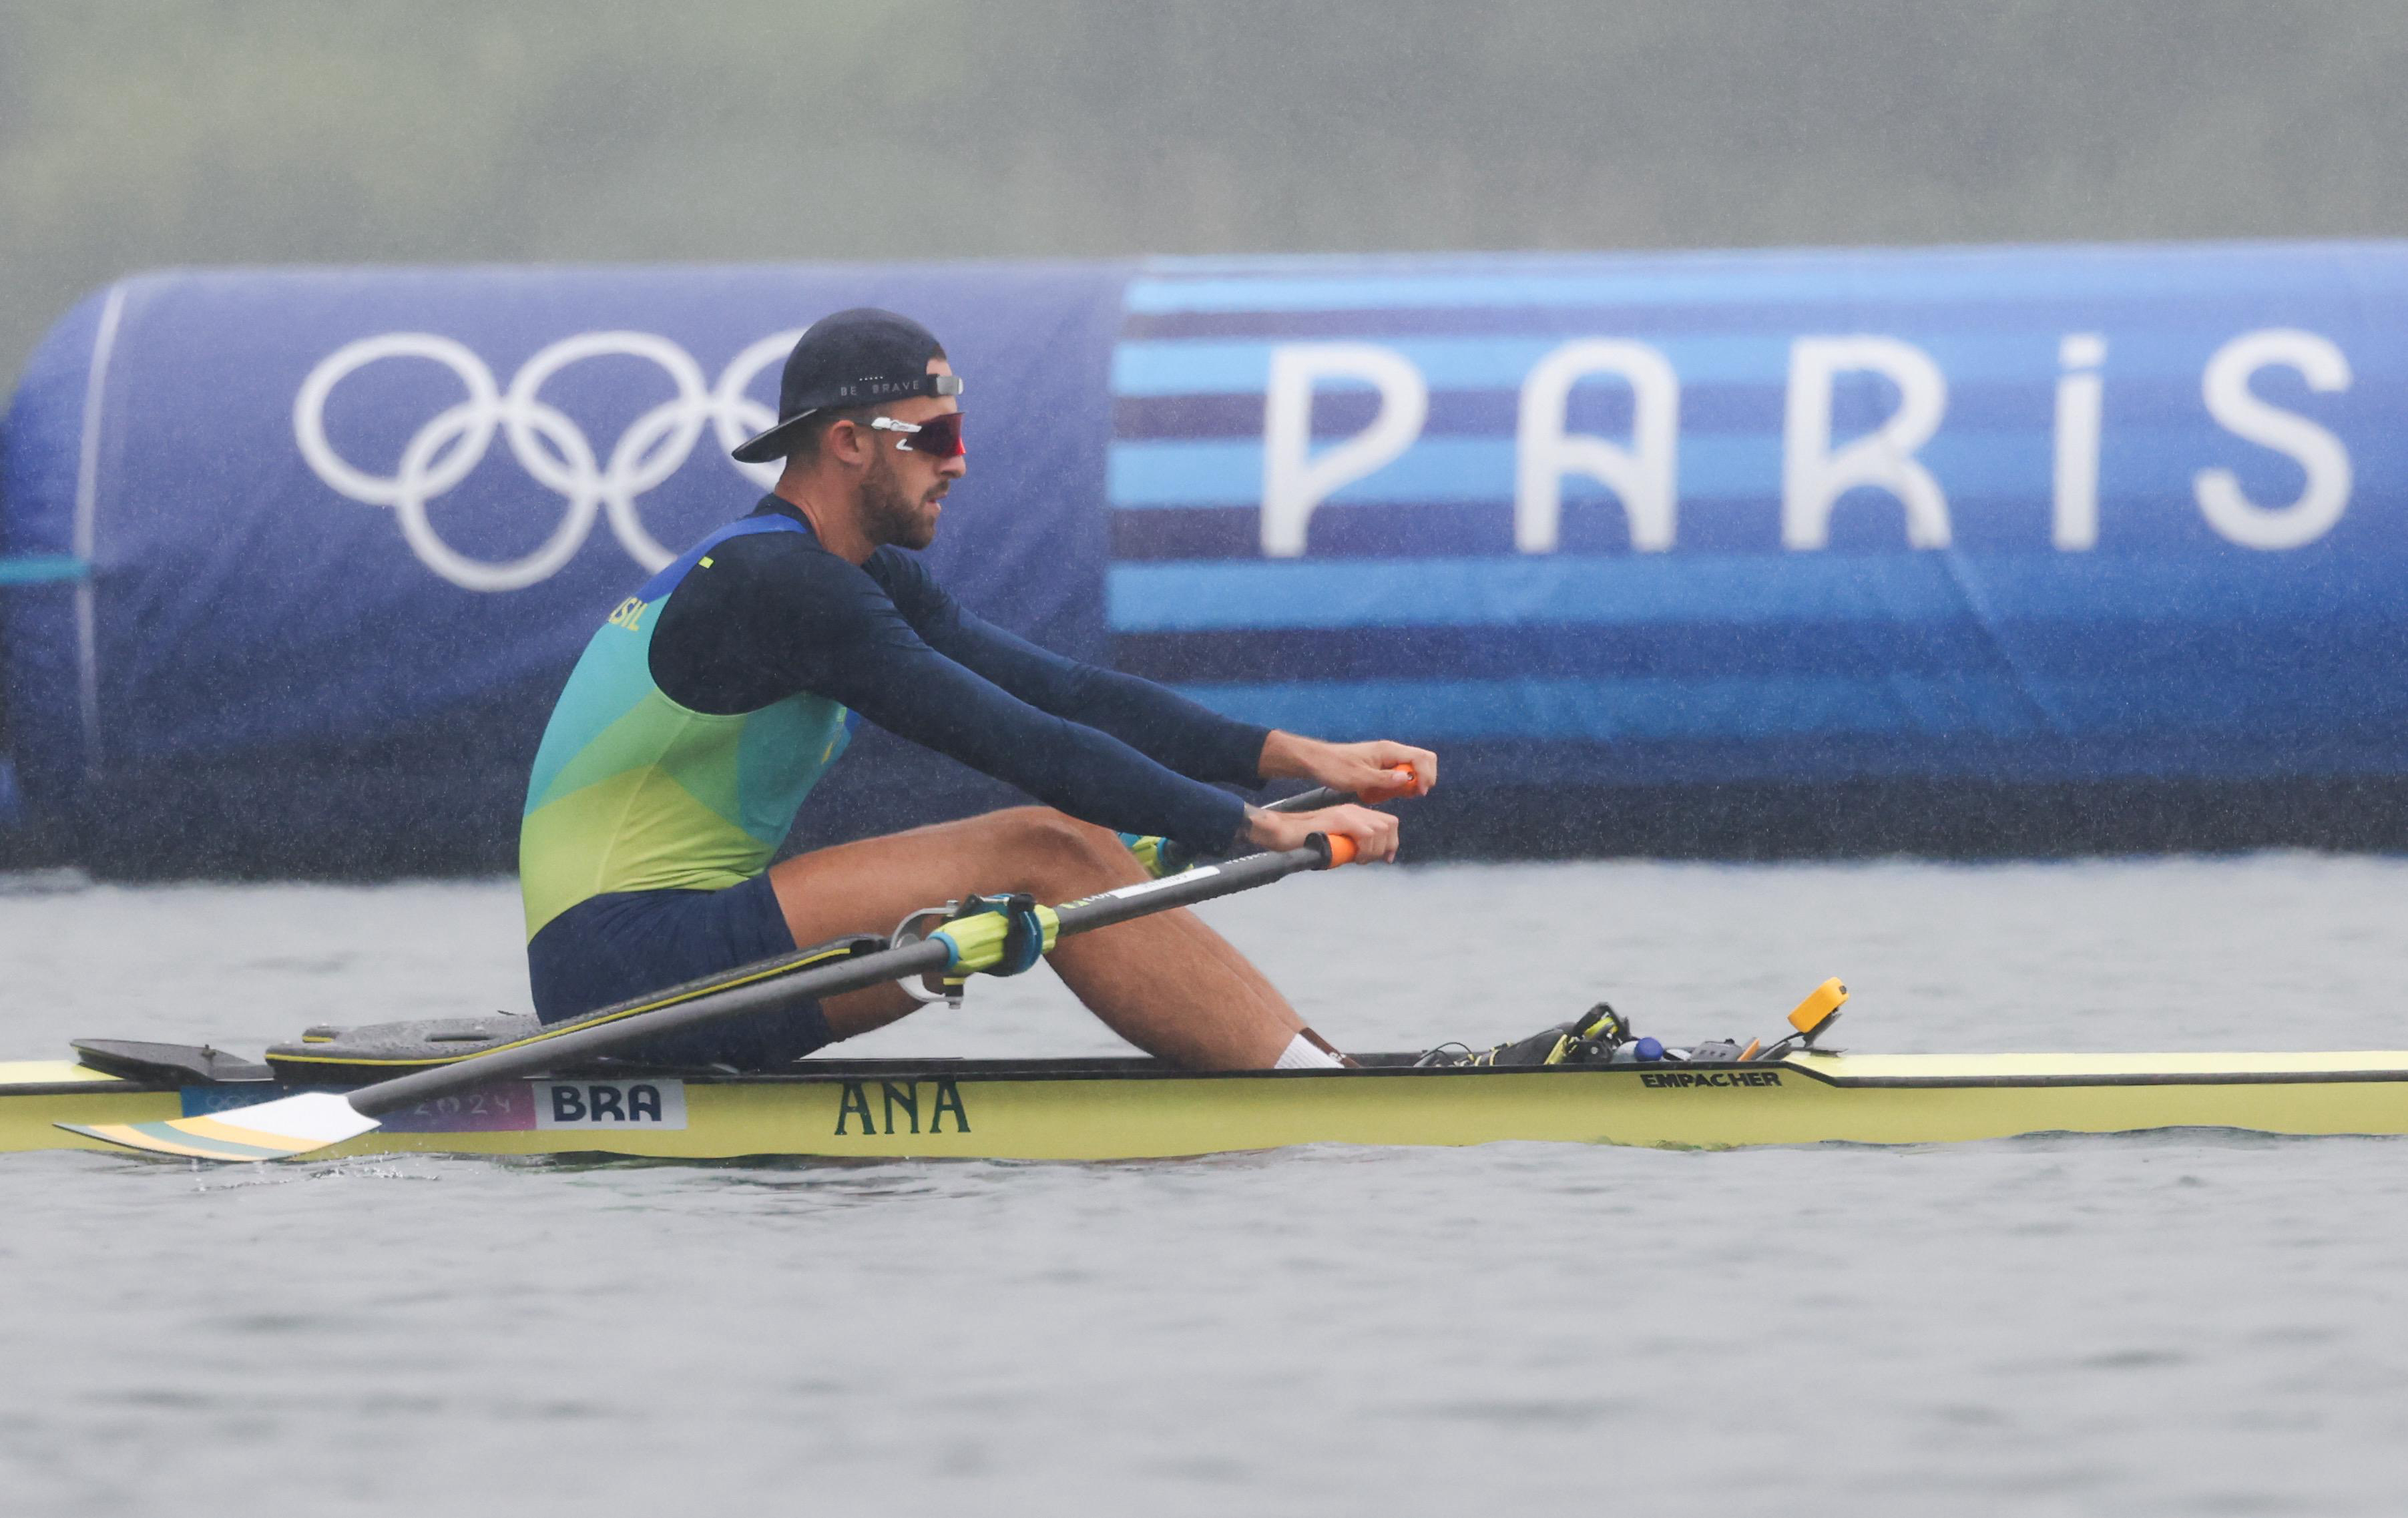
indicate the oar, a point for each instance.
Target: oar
{"x":1319,"y":798}
{"x":312,"y":1120}
{"x":1163,"y":857}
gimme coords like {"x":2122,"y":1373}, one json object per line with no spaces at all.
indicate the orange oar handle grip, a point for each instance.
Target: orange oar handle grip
{"x":1404,"y":782}
{"x":1339,"y":847}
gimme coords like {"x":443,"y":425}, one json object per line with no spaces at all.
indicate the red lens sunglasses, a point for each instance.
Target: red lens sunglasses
{"x":941,"y":434}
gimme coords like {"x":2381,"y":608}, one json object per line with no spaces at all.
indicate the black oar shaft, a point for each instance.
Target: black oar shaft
{"x":569,"y":1049}
{"x":910,"y":959}
{"x":1401,"y":784}
{"x":1312,"y":800}
{"x":1191,"y":886}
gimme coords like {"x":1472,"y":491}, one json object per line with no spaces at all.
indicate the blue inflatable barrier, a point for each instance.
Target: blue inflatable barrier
{"x":296,"y":559}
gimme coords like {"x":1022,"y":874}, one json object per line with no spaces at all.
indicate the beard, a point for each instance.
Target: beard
{"x":891,"y":516}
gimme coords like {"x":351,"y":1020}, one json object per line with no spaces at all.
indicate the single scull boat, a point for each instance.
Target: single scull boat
{"x":1129,"y":1108}
{"x":508,"y":1085}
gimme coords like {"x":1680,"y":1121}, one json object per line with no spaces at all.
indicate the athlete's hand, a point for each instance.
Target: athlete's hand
{"x":1374,"y":832}
{"x":1355,"y":768}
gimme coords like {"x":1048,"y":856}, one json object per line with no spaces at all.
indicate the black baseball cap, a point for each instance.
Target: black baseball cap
{"x":860,"y":357}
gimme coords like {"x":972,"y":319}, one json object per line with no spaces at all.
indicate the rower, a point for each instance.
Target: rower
{"x":710,"y":701}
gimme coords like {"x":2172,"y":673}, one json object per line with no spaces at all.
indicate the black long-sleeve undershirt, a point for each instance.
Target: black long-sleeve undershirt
{"x":774,"y":613}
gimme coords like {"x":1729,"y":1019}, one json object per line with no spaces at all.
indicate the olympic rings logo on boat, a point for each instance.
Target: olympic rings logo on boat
{"x":549,"y":446}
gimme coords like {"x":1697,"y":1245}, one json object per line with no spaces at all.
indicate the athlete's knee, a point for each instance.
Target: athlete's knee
{"x":1065,"y":857}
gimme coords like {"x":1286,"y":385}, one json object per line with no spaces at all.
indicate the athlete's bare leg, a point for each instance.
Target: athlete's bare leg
{"x":1166,"y":983}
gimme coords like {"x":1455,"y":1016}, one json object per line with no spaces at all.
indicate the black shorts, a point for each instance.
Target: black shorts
{"x":616,"y":948}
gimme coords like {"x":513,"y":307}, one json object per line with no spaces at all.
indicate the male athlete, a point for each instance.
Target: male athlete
{"x":708,"y":704}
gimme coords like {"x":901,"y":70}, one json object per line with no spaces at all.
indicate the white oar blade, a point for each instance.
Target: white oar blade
{"x":274,"y":1130}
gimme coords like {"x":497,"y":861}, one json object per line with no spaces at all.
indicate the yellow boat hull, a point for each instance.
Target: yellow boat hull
{"x":1124,"y":1109}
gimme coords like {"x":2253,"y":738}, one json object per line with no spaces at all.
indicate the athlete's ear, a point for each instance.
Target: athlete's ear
{"x":849,"y":442}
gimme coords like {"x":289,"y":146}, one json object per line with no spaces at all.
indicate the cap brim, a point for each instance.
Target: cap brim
{"x":774,"y":444}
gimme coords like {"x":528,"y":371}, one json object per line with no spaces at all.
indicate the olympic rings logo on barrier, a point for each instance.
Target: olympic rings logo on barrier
{"x":547,"y":443}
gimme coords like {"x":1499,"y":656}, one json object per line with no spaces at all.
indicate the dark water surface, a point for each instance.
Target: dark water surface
{"x":2192,"y":1323}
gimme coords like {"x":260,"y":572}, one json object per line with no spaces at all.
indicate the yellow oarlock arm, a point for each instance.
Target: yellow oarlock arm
{"x":998,"y":936}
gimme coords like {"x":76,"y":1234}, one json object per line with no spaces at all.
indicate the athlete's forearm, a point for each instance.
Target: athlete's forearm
{"x":1157,"y":721}
{"x":917,"y":693}
{"x":1170,"y":729}
{"x":1096,"y":778}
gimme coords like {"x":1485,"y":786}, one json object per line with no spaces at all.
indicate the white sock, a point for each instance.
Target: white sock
{"x":1302,"y":1053}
